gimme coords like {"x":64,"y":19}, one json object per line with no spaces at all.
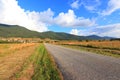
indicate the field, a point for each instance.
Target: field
{"x":110,"y":48}
{"x":27,"y":61}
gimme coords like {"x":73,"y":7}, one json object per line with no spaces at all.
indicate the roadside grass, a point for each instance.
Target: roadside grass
{"x":45,"y":68}
{"x":89,"y":48}
{"x":27,"y":62}
{"x":113,"y":45}
{"x":13,"y":61}
{"x":6,"y":49}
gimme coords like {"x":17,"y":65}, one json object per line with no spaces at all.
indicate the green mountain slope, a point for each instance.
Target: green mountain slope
{"x":61,"y":36}
{"x":18,"y":31}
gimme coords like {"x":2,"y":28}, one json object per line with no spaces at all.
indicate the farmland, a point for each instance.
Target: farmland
{"x":31,"y":61}
{"x":26,"y":61}
{"x":110,"y":48}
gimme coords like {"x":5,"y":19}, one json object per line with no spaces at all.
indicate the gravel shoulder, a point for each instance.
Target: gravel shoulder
{"x":79,"y":65}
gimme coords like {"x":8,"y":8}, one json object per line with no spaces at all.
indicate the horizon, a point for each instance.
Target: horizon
{"x":78,"y":17}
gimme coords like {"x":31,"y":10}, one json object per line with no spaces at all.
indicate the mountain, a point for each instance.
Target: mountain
{"x":98,"y":37}
{"x":94,"y":37}
{"x":61,"y":36}
{"x":18,"y":31}
{"x":106,"y":37}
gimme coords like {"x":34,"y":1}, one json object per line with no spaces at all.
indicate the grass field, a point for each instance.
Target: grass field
{"x":28,"y":61}
{"x":45,"y":67}
{"x":110,"y":48}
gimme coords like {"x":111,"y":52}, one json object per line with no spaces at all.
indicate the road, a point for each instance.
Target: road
{"x":79,"y":65}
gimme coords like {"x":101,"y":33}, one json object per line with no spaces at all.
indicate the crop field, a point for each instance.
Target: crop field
{"x":110,"y":48}
{"x":27,"y":61}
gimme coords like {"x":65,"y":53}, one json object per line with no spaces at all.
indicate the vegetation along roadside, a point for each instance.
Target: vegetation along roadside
{"x":27,"y":62}
{"x":45,"y":67}
{"x":109,"y":48}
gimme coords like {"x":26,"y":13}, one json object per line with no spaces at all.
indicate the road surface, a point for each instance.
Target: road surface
{"x":78,"y":65}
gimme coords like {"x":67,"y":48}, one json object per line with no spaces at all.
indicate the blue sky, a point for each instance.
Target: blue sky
{"x":78,"y":17}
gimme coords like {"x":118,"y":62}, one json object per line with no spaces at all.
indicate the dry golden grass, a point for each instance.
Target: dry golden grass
{"x":15,"y":56}
{"x":99,"y":44}
{"x":26,"y":74}
{"x":6,"y":49}
{"x":110,"y":48}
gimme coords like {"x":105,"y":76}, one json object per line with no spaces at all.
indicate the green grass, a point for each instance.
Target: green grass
{"x":45,"y":68}
{"x":108,"y":52}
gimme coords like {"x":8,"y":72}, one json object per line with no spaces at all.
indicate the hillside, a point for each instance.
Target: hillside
{"x":18,"y":31}
{"x":61,"y":36}
{"x":98,"y":37}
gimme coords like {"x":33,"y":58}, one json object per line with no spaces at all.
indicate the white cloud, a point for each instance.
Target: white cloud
{"x":91,"y":5}
{"x":75,"y":4}
{"x":69,"y":19}
{"x":82,"y":32}
{"x":45,"y":17}
{"x":12,"y":13}
{"x":113,"y":5}
{"x":112,"y":30}
{"x":74,"y":31}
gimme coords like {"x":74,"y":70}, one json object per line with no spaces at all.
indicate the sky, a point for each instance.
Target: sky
{"x":78,"y":17}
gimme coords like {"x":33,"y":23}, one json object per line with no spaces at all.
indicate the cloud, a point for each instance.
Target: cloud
{"x":91,"y":5}
{"x":69,"y":19}
{"x":112,"y":30}
{"x":113,"y":5}
{"x":12,"y":13}
{"x":75,"y":4}
{"x":82,"y":32}
{"x":45,"y":17}
{"x":74,"y":31}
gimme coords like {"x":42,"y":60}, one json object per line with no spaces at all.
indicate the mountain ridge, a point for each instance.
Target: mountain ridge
{"x":19,"y":31}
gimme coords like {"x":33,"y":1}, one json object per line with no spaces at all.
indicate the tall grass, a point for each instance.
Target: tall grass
{"x":114,"y":45}
{"x":110,"y":48}
{"x":45,"y":68}
{"x":6,"y":49}
{"x":107,"y":52}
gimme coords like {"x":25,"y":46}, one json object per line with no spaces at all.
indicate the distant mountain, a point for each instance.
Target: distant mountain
{"x":18,"y":31}
{"x":61,"y":36}
{"x":98,"y":37}
{"x":106,"y":37}
{"x":94,"y":37}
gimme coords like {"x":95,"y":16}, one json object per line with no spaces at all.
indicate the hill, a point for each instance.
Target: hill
{"x":61,"y":36}
{"x":98,"y":37}
{"x":18,"y":31}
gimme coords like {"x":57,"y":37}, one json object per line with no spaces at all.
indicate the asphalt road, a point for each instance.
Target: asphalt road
{"x":78,"y":65}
